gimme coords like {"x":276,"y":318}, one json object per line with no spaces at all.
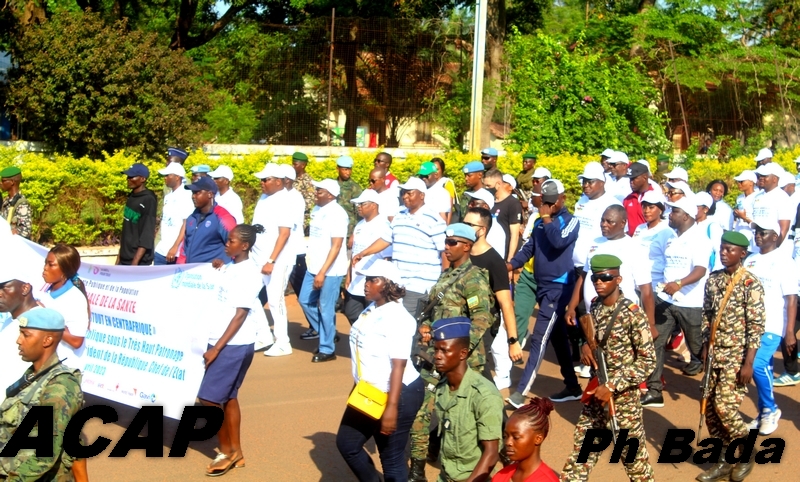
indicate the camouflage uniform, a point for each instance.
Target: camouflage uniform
{"x":21,"y":217}
{"x":309,"y":192}
{"x":471,"y":296}
{"x":631,"y":357}
{"x":59,"y":388}
{"x":739,"y":329}
{"x":349,"y":190}
{"x":525,"y":183}
{"x":463,"y":201}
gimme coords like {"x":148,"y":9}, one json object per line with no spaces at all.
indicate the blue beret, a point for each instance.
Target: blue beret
{"x":474,"y":166}
{"x":201,"y":168}
{"x":489,"y":151}
{"x":460,"y":230}
{"x":345,"y":161}
{"x":180,"y":153}
{"x":449,"y":328}
{"x":42,"y":319}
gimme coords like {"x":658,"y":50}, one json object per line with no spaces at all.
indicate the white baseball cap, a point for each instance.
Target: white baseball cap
{"x":221,"y":171}
{"x":764,"y":154}
{"x":509,"y":179}
{"x":483,"y":195}
{"x":367,"y":196}
{"x":785,"y":179}
{"x":654,"y":196}
{"x":678,"y":173}
{"x":542,"y":172}
{"x":270,"y":170}
{"x":329,"y":185}
{"x":288,"y":171}
{"x":173,"y":168}
{"x":687,"y":205}
{"x":593,"y":170}
{"x":414,"y":184}
{"x":770,"y":169}
{"x":607,"y":153}
{"x":618,"y":158}
{"x":703,"y":199}
{"x":687,"y":191}
{"x":382,"y":268}
{"x":746,"y":175}
{"x":766,"y":223}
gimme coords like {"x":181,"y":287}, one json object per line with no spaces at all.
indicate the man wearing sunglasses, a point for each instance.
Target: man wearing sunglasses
{"x":489,"y":158}
{"x":551,"y":245}
{"x":473,"y":179}
{"x":138,"y":220}
{"x":388,"y":199}
{"x":436,"y":197}
{"x":772,"y":203}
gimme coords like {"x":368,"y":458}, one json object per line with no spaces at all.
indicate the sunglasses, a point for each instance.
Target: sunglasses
{"x":453,"y":242}
{"x":373,"y":181}
{"x":472,"y":225}
{"x":486,"y":158}
{"x":424,"y":177}
{"x":604,"y":277}
{"x":674,"y":193}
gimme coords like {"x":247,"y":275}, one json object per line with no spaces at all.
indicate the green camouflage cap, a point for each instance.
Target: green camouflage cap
{"x":299,"y":156}
{"x":10,"y":172}
{"x":735,"y":238}
{"x":602,"y":262}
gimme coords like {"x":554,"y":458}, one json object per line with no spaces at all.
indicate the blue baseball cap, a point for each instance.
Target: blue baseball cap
{"x":345,"y":161}
{"x":449,"y":328}
{"x":460,"y":230}
{"x":137,"y":169}
{"x":42,"y":319}
{"x":489,"y":151}
{"x":203,"y":184}
{"x":474,"y":166}
{"x":179,"y":153}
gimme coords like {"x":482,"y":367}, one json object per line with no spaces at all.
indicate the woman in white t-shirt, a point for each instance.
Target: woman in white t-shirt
{"x":64,"y":292}
{"x":380,"y":344}
{"x":712,"y":230}
{"x":231,"y":342}
{"x":723,"y":214}
{"x":654,"y":233}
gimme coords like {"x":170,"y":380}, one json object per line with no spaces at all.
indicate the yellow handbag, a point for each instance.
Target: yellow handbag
{"x":366,"y":397}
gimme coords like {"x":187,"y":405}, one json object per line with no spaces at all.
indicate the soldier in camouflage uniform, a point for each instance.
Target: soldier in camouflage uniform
{"x":15,"y":208}
{"x":348,"y":190}
{"x":736,"y":342}
{"x":45,"y":383}
{"x":630,"y":357}
{"x":473,"y":179}
{"x":303,"y":185}
{"x":525,"y":177}
{"x":466,"y":293}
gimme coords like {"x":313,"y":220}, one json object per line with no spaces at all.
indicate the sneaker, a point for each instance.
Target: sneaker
{"x":652,"y":399}
{"x":675,"y":342}
{"x":567,"y":395}
{"x":753,"y":425}
{"x":501,"y":382}
{"x":578,"y":368}
{"x":262,"y":345}
{"x":516,"y":400}
{"x":279,"y":349}
{"x":586,"y":371}
{"x":309,"y":334}
{"x":769,"y":421}
{"x":786,"y":380}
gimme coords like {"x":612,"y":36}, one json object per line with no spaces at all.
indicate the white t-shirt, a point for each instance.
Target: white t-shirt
{"x":588,"y":212}
{"x":496,"y":238}
{"x":620,"y":188}
{"x":723,"y":215}
{"x":238,"y":288}
{"x":713,"y":232}
{"x":364,"y":234}
{"x":296,"y":205}
{"x":382,"y":334}
{"x":777,"y":273}
{"x":272,"y":213}
{"x":13,"y":365}
{"x":232,"y":203}
{"x":654,"y":240}
{"x":438,"y":199}
{"x":388,"y":203}
{"x":745,"y":203}
{"x":5,"y":231}
{"x":681,"y":255}
{"x":634,"y":272}
{"x":70,"y":302}
{"x":773,"y":205}
{"x":327,"y":222}
{"x":178,"y":206}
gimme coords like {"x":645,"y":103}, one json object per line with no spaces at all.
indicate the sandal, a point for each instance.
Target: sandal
{"x":217,"y":472}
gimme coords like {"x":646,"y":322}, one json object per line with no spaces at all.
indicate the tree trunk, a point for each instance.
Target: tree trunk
{"x":347,"y":54}
{"x":495,"y":37}
{"x":638,"y":32}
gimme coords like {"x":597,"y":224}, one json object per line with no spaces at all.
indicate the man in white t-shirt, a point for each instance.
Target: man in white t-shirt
{"x":272,"y":254}
{"x":436,"y":197}
{"x":621,"y":186}
{"x":223,"y":175}
{"x":371,"y":228}
{"x":681,"y":299}
{"x":16,"y":297}
{"x":177,"y":207}
{"x":743,"y":211}
{"x":589,"y":209}
{"x":772,"y":203}
{"x":326,"y":259}
{"x":296,"y":205}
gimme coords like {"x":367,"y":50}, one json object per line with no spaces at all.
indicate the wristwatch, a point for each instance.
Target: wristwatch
{"x":270,"y":261}
{"x":512,"y":340}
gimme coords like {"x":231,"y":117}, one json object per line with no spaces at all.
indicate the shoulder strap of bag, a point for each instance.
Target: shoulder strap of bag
{"x":621,"y":304}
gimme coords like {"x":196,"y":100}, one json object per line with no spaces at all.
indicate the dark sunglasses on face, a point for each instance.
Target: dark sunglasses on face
{"x":452,"y":242}
{"x":486,"y":158}
{"x":372,"y":181}
{"x":604,"y":277}
{"x":424,"y":177}
{"x":471,"y":225}
{"x":674,"y":193}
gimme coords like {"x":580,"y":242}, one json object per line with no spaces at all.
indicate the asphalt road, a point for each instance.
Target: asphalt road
{"x":291,"y":410}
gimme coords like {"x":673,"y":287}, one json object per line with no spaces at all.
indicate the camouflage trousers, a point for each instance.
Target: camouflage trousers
{"x":594,"y":415}
{"x":420,"y":429}
{"x":722,"y":415}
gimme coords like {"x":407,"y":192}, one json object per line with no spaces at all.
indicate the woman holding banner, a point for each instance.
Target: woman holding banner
{"x":64,"y":292}
{"x":232,"y":343}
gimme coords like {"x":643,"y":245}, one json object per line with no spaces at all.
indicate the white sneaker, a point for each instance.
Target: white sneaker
{"x":578,"y":368}
{"x":279,"y":350}
{"x":501,"y":382}
{"x":586,"y":372}
{"x":753,"y":425}
{"x":769,"y":421}
{"x":262,"y":345}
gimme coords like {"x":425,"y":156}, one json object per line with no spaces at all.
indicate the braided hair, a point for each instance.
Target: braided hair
{"x":536,"y":414}
{"x":248,"y":233}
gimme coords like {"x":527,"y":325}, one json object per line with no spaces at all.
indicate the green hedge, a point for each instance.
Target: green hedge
{"x":80,"y":201}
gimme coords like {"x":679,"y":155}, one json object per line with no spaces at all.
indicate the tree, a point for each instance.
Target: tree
{"x":85,"y":87}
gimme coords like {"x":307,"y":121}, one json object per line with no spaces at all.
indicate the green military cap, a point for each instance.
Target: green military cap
{"x":529,"y":155}
{"x":42,"y":319}
{"x":735,"y":238}
{"x":299,"y":156}
{"x":10,"y":172}
{"x":662,"y":158}
{"x":602,"y":262}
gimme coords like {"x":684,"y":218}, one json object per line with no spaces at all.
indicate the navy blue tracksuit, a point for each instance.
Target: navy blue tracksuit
{"x":551,"y":244}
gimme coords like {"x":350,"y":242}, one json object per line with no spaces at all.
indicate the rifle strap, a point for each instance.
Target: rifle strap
{"x":433,"y":302}
{"x":724,"y":303}
{"x":621,"y":304}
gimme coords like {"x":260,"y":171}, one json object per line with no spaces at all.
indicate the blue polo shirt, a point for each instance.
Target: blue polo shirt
{"x":206,"y":235}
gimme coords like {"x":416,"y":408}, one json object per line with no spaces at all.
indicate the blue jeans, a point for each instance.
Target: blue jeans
{"x":160,"y":260}
{"x":356,"y":428}
{"x":762,"y":371}
{"x":319,"y":307}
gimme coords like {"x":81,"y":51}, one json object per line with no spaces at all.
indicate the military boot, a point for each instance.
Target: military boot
{"x":742,"y":470}
{"x":417,"y":472}
{"x":720,"y":471}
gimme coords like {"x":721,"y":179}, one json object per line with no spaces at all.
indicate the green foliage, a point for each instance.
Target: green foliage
{"x":87,"y":87}
{"x":229,"y":122}
{"x":576,"y":101}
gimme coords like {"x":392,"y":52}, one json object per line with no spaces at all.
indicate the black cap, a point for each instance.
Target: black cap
{"x":637,"y":169}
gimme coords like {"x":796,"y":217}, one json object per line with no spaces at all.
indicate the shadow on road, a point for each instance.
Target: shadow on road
{"x":326,"y":457}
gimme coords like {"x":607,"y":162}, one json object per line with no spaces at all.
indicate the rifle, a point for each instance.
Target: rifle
{"x":705,"y":386}
{"x":598,"y":359}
